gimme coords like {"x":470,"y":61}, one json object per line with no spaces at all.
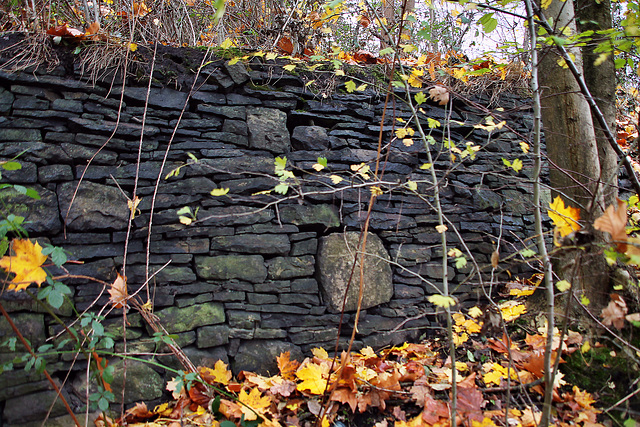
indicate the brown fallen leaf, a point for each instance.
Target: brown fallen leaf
{"x":614,"y":222}
{"x":614,"y":313}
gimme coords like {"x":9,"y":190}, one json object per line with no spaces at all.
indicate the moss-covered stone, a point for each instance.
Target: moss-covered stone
{"x":244,"y":267}
{"x":184,"y":319}
{"x":326,"y":215}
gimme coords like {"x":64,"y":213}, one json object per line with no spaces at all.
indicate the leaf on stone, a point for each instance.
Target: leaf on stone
{"x":614,"y":222}
{"x":441,"y":300}
{"x":565,"y":218}
{"x":26,"y":264}
{"x":118,"y":292}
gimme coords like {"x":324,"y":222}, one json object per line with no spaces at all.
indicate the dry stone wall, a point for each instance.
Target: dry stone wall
{"x":255,"y":275}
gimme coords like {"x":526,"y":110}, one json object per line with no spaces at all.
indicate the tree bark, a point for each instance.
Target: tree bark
{"x":574,"y":156}
{"x":601,"y":80}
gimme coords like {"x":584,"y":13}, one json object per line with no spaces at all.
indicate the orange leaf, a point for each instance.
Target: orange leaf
{"x":93,"y":28}
{"x":345,"y":395}
{"x":286,"y":366}
{"x":25,"y":264}
{"x":614,"y":222}
{"x":565,"y":218}
{"x":285,"y":45}
{"x":364,"y":21}
{"x":118,"y":292}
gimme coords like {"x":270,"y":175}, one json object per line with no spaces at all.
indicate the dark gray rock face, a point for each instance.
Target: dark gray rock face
{"x":268,"y":130}
{"x":336,"y":254}
{"x":95,"y":206}
{"x":255,"y":273}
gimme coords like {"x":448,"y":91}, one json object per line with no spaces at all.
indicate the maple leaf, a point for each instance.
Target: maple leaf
{"x":253,"y":402}
{"x":286,"y":366}
{"x":219,"y":374}
{"x":345,"y":395}
{"x":118,"y":292}
{"x":565,"y":218}
{"x":312,"y":381}
{"x":26,"y":264}
{"x":614,"y":313}
{"x":614,"y":222}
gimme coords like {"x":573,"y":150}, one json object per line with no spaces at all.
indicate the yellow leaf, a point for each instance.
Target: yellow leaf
{"x":255,"y":403}
{"x":318,"y":167}
{"x":339,"y":72}
{"x":185,"y":220}
{"x":335,"y":179}
{"x":25,"y":264}
{"x":362,"y":87}
{"x":219,"y":374}
{"x":564,"y":218}
{"x":376,"y":191}
{"x":219,"y":191}
{"x":271,"y":56}
{"x":524,"y":147}
{"x":290,"y":67}
{"x":227,"y":43}
{"x":133,"y":206}
{"x":234,"y":60}
{"x":441,"y":228}
{"x":511,"y":310}
{"x":320,"y":353}
{"x":312,"y":381}
{"x":411,"y":185}
{"x":563,"y":286}
{"x":441,"y":300}
{"x":475,"y":312}
{"x":259,"y":53}
{"x":133,"y":47}
{"x":425,"y":166}
{"x":545,"y":3}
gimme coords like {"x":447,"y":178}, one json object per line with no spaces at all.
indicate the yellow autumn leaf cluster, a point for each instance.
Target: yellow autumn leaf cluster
{"x":26,"y":264}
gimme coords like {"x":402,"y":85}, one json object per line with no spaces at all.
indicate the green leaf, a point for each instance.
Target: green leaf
{"x":322,"y":161}
{"x":350,"y":86}
{"x":11,"y":165}
{"x":55,"y":299}
{"x":461,"y":262}
{"x":488,"y":22}
{"x":420,"y":98}
{"x":280,"y":163}
{"x":528,"y":253}
{"x":184,"y":211}
{"x":386,"y":51}
{"x":32,"y":193}
{"x":433,"y":123}
{"x":281,"y":188}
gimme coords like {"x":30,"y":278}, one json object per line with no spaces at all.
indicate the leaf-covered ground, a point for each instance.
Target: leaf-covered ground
{"x":499,"y":382}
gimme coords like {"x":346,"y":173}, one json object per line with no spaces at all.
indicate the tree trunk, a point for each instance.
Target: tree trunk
{"x":574,"y":158}
{"x":601,"y":80}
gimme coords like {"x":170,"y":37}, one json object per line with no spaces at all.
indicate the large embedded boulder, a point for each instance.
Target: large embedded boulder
{"x":268,"y":130}
{"x":336,"y":254}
